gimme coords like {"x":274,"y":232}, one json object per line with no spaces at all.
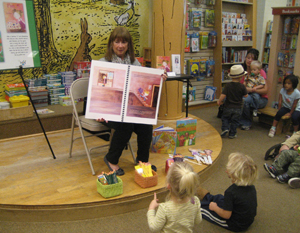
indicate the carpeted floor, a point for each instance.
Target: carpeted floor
{"x":278,"y":205}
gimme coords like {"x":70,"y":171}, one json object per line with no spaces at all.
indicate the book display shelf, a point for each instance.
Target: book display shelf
{"x":284,"y":50}
{"x":236,"y":22}
{"x":267,"y":45}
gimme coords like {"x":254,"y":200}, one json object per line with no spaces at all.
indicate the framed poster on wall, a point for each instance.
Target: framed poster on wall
{"x":18,"y":37}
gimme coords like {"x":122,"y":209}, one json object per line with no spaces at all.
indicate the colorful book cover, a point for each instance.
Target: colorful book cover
{"x":193,"y":66}
{"x":187,"y":43}
{"x":295,"y":25}
{"x":280,"y":59}
{"x":186,"y":131}
{"x":1,"y":50}
{"x":203,"y":40}
{"x":195,"y":18}
{"x":164,"y":140}
{"x":14,"y":17}
{"x":280,"y":75}
{"x":210,"y":68}
{"x":209,"y":18}
{"x":192,"y":94}
{"x":202,"y":67}
{"x":163,"y":62}
{"x":286,"y":60}
{"x":287,"y":25}
{"x":283,"y":41}
{"x":176,"y":63}
{"x":195,"y":42}
{"x":210,"y":93}
{"x":292,"y":60}
{"x":294,"y":42}
{"x":288,"y":42}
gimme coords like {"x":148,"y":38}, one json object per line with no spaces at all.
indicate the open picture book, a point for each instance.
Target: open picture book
{"x":123,"y":93}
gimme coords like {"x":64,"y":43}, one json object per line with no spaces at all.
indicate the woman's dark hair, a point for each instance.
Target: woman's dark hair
{"x":122,"y":34}
{"x":294,"y":80}
{"x":255,"y":55}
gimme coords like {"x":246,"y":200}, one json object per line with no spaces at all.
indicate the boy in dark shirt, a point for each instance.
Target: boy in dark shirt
{"x":233,"y":94}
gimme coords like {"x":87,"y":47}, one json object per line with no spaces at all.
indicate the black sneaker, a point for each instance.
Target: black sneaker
{"x":224,"y":132}
{"x":284,"y":178}
{"x":271,"y":170}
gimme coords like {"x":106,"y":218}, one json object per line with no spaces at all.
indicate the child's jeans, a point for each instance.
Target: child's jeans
{"x":231,"y":120}
{"x":255,"y":100}
{"x":281,"y":112}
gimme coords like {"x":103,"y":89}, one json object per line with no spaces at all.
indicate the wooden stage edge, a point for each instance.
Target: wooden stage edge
{"x":207,"y":138}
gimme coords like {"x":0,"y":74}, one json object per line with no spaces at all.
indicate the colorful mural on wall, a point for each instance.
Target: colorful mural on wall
{"x":77,"y":30}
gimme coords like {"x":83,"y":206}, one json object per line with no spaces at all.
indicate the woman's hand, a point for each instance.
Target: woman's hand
{"x":164,"y":76}
{"x":101,"y":120}
{"x":153,"y":203}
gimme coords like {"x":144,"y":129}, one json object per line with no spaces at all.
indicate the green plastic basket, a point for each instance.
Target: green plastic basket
{"x":110,"y":190}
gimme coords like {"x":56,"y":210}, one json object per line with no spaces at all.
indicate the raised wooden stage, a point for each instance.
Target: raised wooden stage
{"x":35,"y":187}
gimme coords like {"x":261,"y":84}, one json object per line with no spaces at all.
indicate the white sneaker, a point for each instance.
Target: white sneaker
{"x":271,"y":133}
{"x":255,"y":113}
{"x":294,"y":182}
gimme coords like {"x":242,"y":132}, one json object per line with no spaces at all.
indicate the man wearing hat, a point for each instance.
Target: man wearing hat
{"x":233,"y":94}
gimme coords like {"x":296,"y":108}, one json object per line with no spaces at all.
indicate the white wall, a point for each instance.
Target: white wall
{"x":264,"y":13}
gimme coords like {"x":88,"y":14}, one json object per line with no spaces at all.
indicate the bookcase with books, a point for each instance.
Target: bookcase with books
{"x":235,"y":21}
{"x":284,"y":50}
{"x":267,"y":45}
{"x":199,"y":48}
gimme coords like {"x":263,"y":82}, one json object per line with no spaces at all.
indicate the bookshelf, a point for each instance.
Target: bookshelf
{"x":267,"y":44}
{"x":248,"y":8}
{"x":274,"y":83}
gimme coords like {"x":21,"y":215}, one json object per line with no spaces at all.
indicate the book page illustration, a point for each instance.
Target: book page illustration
{"x":119,"y":92}
{"x":14,"y":17}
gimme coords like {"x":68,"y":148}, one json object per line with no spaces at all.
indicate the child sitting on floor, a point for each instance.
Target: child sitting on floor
{"x":236,"y":210}
{"x":181,"y":211}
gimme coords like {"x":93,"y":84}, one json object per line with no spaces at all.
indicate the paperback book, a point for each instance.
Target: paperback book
{"x":164,"y":140}
{"x":186,"y":131}
{"x":210,"y":93}
{"x":163,"y":62}
{"x":176,"y":63}
{"x":209,"y":18}
{"x":133,"y":96}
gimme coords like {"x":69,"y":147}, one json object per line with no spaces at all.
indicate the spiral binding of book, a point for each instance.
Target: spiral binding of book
{"x":125,"y":94}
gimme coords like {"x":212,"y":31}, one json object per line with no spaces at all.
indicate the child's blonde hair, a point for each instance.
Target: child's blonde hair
{"x":257,"y":64}
{"x":242,"y":169}
{"x":182,"y":180}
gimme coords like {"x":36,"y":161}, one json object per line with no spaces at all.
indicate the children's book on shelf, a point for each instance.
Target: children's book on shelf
{"x":195,"y":18}
{"x":193,"y":67}
{"x":212,"y":39}
{"x":288,"y":42}
{"x":283,"y":41}
{"x":203,"y":40}
{"x":280,"y":76}
{"x":202,"y":67}
{"x":176,"y":63}
{"x":210,"y":93}
{"x":134,"y":95}
{"x":163,"y":62}
{"x":195,"y":42}
{"x":287,"y":25}
{"x":210,"y":2}
{"x":294,"y":39}
{"x":192,"y":94}
{"x":186,"y":131}
{"x":187,"y":43}
{"x":286,"y":60}
{"x":280,"y":59}
{"x":292,"y":60}
{"x":295,"y":25}
{"x":164,"y":140}
{"x":210,"y":68}
{"x":209,"y":18}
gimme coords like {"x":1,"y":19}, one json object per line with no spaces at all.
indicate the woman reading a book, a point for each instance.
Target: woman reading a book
{"x":120,"y":50}
{"x":246,"y":118}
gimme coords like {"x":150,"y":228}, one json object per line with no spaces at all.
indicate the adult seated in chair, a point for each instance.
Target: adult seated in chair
{"x":120,"y":50}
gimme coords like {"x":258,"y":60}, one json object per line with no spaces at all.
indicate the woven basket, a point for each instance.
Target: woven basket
{"x":146,"y":182}
{"x":110,"y":190}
